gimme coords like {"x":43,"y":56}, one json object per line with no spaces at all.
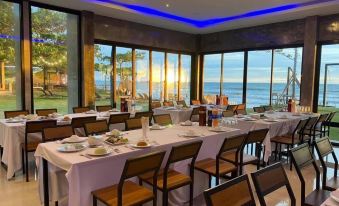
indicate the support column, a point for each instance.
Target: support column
{"x":194,"y":76}
{"x":309,"y":61}
{"x":87,"y":45}
{"x":18,"y":64}
{"x":26,"y":58}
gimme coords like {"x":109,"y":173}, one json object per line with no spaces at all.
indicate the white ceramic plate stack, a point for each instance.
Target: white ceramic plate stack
{"x":71,"y":148}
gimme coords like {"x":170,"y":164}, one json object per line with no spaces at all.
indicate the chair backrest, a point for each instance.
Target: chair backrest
{"x":97,"y":127}
{"x":144,"y":114}
{"x":57,"y":133}
{"x":11,"y":114}
{"x":103,"y":108}
{"x":184,"y":151}
{"x":231,"y":107}
{"x":232,"y":143}
{"x":270,"y":179}
{"x":118,"y":118}
{"x":79,"y":122}
{"x":302,"y":157}
{"x":196,"y":102}
{"x":330,"y":117}
{"x":168,"y":103}
{"x":322,"y":118}
{"x":45,"y":112}
{"x":163,"y":119}
{"x":259,"y":109}
{"x":80,"y":109}
{"x":300,"y":128}
{"x":312,"y":122}
{"x":236,"y":192}
{"x":195,"y":111}
{"x":133,"y":123}
{"x":256,"y":136}
{"x":181,"y":102}
{"x":324,"y":146}
{"x":268,"y":108}
{"x":155,"y":104}
{"x":227,"y":113}
{"x":38,"y":126}
{"x":241,"y":109}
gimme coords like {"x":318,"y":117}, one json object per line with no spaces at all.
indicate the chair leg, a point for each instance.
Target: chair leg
{"x":164,"y":197}
{"x":209,"y":181}
{"x":191,"y":194}
{"x":26,"y":166}
{"x":276,"y":152}
{"x":56,"y":203}
{"x":95,"y":202}
{"x":23,"y":161}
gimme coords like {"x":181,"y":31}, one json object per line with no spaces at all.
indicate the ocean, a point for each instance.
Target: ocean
{"x":257,"y":93}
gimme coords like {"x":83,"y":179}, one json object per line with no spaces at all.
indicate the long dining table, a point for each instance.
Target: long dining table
{"x":85,"y":175}
{"x":12,"y":135}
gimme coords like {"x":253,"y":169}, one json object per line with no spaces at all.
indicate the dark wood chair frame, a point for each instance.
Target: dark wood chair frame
{"x":226,"y":185}
{"x":327,"y":124}
{"x":75,"y":108}
{"x":145,"y":114}
{"x":19,"y":112}
{"x":98,"y":132}
{"x":162,"y":115}
{"x":51,"y":111}
{"x":58,"y":138}
{"x":262,"y":194}
{"x":101,"y":108}
{"x":259,"y":109}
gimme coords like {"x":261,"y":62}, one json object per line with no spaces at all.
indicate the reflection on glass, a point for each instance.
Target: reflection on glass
{"x":286,"y":75}
{"x":258,"y":78}
{"x":124,"y":73}
{"x":212,"y":72}
{"x":185,"y":78}
{"x":10,"y":64}
{"x":233,"y":76}
{"x":172,"y":77}
{"x":54,"y":59}
{"x":158,"y":75}
{"x":103,"y":74}
{"x":142,"y":80}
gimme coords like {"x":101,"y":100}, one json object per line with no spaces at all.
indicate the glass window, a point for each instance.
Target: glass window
{"x":172,"y":77}
{"x":10,"y":60}
{"x":286,"y":75}
{"x":158,"y":75}
{"x":258,"y":78}
{"x":185,"y":79}
{"x":211,"y":82}
{"x":142,"y":80}
{"x":55,"y":59}
{"x":233,"y":75}
{"x":103,"y":74}
{"x":124,"y":73}
{"x":328,"y":100}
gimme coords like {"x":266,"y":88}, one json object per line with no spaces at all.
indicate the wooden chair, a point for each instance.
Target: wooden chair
{"x":79,"y":122}
{"x":133,"y":123}
{"x":182,"y":102}
{"x":270,"y":179}
{"x":236,"y":192}
{"x":259,"y":109}
{"x":57,"y":133}
{"x":290,"y":140}
{"x":80,"y":109}
{"x":220,"y":167}
{"x":155,"y":104}
{"x":312,"y":130}
{"x":45,"y":112}
{"x":104,"y":108}
{"x":241,"y":109}
{"x":95,"y":128}
{"x":118,"y":118}
{"x":227,"y":113}
{"x":268,"y":108}
{"x":302,"y":157}
{"x":232,"y":108}
{"x":31,"y":145}
{"x":196,"y":102}
{"x":168,"y":104}
{"x":324,"y":148}
{"x":162,"y":119}
{"x":169,"y":179}
{"x":145,"y":114}
{"x":127,"y":192}
{"x":12,"y":114}
{"x":195,"y":112}
{"x":327,"y":124}
{"x":254,"y":137}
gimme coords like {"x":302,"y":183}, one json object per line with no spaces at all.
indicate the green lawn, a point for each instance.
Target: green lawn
{"x":334,"y":134}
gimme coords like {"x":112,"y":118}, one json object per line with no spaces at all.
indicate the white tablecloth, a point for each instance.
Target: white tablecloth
{"x":177,"y":115}
{"x":86,"y":175}
{"x":12,"y":135}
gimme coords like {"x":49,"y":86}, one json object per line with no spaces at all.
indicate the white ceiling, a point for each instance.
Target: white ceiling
{"x":202,"y":10}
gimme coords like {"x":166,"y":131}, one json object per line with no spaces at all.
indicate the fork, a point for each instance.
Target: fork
{"x":85,"y":155}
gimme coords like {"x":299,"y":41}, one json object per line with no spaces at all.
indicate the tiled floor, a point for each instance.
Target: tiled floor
{"x":17,"y":192}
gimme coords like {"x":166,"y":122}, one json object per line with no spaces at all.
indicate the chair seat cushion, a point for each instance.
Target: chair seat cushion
{"x":174,"y":179}
{"x":317,"y":197}
{"x":209,"y":166}
{"x":286,"y":139}
{"x":247,"y":159}
{"x":132,"y":194}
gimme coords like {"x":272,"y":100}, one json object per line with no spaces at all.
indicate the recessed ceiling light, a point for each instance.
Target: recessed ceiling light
{"x":167,"y":5}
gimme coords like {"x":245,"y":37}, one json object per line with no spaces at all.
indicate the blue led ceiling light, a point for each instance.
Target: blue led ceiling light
{"x":208,"y":22}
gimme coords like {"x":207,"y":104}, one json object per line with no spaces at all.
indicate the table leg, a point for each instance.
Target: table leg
{"x":45,"y":181}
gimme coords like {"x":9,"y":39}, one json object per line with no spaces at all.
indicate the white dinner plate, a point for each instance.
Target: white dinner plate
{"x":91,"y":152}
{"x":78,"y":140}
{"x":142,"y":147}
{"x":71,"y":148}
{"x":159,"y":128}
